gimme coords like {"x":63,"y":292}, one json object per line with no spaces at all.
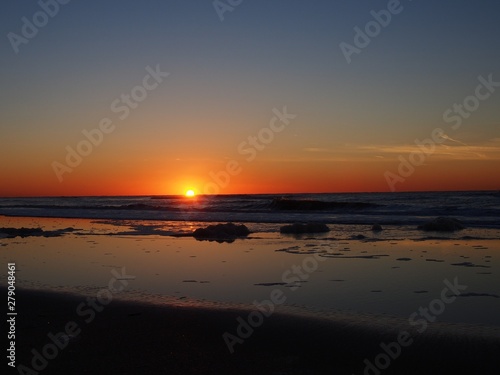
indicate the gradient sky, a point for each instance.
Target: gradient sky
{"x":353,"y":120}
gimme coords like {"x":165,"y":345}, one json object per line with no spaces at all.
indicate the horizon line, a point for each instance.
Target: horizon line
{"x":237,"y":194}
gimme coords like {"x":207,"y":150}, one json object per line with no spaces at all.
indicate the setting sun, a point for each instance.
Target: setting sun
{"x":190,"y":193}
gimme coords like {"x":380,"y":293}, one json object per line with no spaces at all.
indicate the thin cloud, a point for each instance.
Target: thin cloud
{"x":453,"y":149}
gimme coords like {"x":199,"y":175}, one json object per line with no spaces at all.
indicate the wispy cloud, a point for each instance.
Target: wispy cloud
{"x":451,"y":149}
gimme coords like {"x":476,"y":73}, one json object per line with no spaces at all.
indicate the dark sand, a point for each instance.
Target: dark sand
{"x":135,"y":338}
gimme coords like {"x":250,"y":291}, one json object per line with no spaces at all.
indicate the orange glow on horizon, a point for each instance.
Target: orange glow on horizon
{"x":259,"y":177}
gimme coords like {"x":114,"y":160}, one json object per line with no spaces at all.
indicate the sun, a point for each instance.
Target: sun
{"x":190,"y":193}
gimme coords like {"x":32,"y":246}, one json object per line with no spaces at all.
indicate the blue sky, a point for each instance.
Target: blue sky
{"x":226,"y":76}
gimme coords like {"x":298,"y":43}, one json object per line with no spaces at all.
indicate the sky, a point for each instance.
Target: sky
{"x":261,"y":96}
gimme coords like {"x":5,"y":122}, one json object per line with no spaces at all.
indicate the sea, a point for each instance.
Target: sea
{"x":480,"y":209}
{"x":356,"y":270}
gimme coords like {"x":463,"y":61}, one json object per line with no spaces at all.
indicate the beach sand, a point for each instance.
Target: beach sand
{"x":140,"y":338}
{"x":185,"y":295}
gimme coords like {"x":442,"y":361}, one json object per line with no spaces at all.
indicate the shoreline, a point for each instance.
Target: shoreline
{"x":132,"y":337}
{"x":185,"y":228}
{"x":406,"y":274}
{"x":477,"y":210}
{"x":243,"y":217}
{"x":185,"y":295}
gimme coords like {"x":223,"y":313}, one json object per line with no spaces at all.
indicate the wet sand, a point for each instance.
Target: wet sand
{"x":185,"y":294}
{"x":140,"y":338}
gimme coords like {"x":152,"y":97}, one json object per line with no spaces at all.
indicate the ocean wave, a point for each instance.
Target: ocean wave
{"x":316,"y":205}
{"x":130,"y":206}
{"x":474,"y":209}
